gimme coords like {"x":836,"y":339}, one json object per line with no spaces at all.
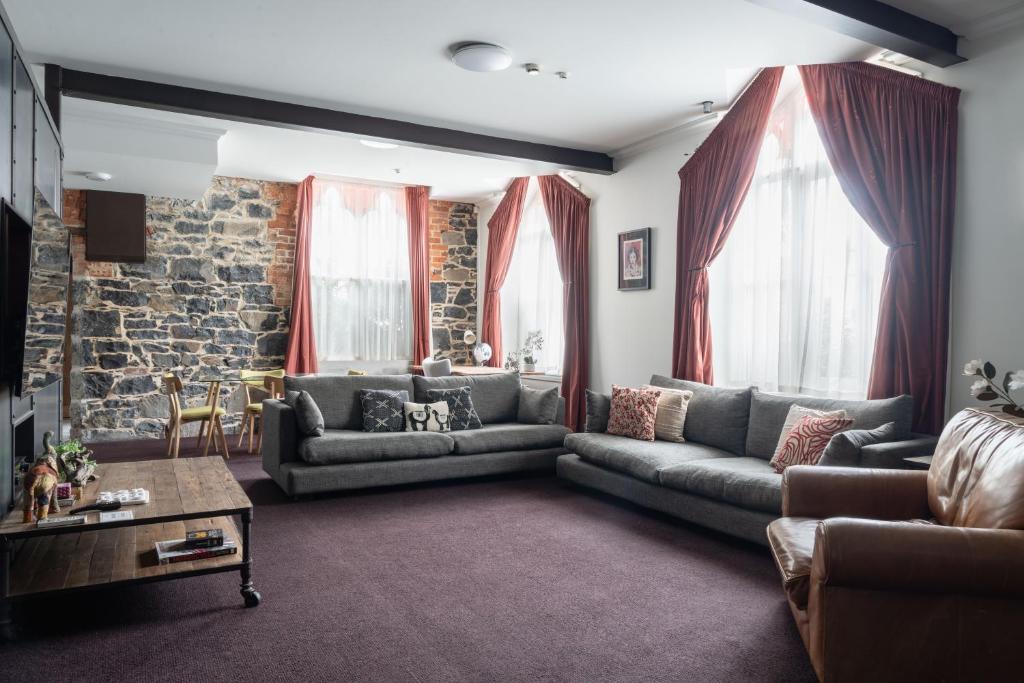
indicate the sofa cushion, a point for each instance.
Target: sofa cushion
{"x":308,"y":418}
{"x":715,"y":416}
{"x":768,"y":413}
{"x":495,"y":397}
{"x":634,"y":412}
{"x":509,"y":436}
{"x":844,"y":448}
{"x":598,"y":407}
{"x":747,"y":482}
{"x":345,"y":446}
{"x":383,"y":410}
{"x":640,"y":459}
{"x":792,"y":542}
{"x":538,"y":406}
{"x":337,"y":396}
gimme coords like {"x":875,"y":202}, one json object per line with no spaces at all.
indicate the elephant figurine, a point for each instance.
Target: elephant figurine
{"x":41,"y":489}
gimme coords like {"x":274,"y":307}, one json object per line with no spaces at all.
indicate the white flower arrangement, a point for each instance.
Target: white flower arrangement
{"x":985,"y":389}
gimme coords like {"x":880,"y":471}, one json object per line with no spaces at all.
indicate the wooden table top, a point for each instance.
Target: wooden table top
{"x":179,"y":489}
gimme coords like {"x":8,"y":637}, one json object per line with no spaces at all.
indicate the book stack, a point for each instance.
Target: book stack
{"x":197,"y":545}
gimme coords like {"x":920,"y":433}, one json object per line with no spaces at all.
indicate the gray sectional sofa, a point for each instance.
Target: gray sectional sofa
{"x":346,"y":457}
{"x":721,"y":477}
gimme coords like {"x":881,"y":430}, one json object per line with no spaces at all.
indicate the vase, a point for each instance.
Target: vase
{"x":529,"y":367}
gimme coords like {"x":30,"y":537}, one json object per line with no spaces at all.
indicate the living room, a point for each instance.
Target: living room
{"x":512,"y":343}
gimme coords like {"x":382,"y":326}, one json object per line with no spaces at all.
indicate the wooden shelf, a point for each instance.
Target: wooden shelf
{"x":111,"y":556}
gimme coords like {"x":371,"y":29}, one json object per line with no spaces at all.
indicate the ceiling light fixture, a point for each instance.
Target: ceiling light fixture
{"x":563,"y":74}
{"x":378,"y":144}
{"x":531,"y":69}
{"x":481,"y":57}
{"x":98,"y":176}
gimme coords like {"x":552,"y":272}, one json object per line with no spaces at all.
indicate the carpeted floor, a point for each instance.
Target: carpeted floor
{"x":496,"y":580}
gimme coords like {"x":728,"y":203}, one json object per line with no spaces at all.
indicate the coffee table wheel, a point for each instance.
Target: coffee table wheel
{"x":252,"y":597}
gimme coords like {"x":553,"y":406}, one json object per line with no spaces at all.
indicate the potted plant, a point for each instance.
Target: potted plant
{"x":512,"y":361}
{"x":534,"y":343}
{"x":985,"y":388}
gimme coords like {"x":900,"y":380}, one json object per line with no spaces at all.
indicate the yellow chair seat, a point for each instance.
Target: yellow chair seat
{"x":254,"y":408}
{"x":198,"y":413}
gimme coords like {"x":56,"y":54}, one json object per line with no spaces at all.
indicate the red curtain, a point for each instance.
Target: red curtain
{"x":301,"y":354}
{"x":891,"y":139}
{"x":501,"y":240}
{"x":416,"y":207}
{"x":712,"y":187}
{"x":568,"y":211}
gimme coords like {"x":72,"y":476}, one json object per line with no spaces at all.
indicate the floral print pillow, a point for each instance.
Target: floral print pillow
{"x":633,"y":412}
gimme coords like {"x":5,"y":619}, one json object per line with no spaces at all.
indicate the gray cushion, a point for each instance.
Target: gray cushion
{"x":510,"y":436}
{"x":538,"y":406}
{"x":715,"y":416}
{"x":843,"y":449}
{"x":309,"y":421}
{"x":461,"y":413}
{"x":338,"y":395}
{"x":641,"y":459}
{"x":598,"y":408}
{"x":747,"y":482}
{"x":768,"y":414}
{"x":343,"y":446}
{"x":495,"y":397}
{"x":383,"y":410}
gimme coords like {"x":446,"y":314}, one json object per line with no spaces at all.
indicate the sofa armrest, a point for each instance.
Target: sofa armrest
{"x":280,"y":437}
{"x":918,"y":558}
{"x":890,"y":455}
{"x":822,"y":492}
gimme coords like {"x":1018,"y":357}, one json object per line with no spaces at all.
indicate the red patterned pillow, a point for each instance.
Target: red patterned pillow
{"x":807,"y":440}
{"x":633,"y":412}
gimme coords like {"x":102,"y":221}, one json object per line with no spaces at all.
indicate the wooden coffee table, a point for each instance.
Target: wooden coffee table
{"x":185,"y":494}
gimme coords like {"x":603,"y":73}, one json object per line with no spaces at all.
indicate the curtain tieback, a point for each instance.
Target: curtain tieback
{"x":904,"y":244}
{"x":690,"y":270}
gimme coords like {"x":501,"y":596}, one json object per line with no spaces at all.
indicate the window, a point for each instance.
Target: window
{"x":359,"y":273}
{"x":531,"y":298}
{"x":795,"y":292}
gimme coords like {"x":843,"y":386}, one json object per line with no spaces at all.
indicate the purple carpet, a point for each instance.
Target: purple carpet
{"x":503,"y":579}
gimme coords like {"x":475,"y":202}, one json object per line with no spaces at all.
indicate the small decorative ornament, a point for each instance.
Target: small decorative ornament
{"x":41,"y":489}
{"x":985,"y":388}
{"x":482,"y":353}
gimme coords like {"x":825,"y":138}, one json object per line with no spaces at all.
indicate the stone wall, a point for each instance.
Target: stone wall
{"x":213,"y":294}
{"x":453,"y":277}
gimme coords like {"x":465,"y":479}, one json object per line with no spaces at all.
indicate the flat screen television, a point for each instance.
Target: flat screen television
{"x":37,"y":267}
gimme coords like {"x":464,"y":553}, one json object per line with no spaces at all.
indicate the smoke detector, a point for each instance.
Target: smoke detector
{"x":481,"y":57}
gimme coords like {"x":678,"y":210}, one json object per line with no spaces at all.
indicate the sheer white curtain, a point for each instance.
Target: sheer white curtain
{"x":359,"y":273}
{"x":795,"y":291}
{"x":531,"y":298}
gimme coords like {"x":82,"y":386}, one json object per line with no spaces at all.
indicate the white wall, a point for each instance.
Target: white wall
{"x":987,"y":319}
{"x":631,"y":332}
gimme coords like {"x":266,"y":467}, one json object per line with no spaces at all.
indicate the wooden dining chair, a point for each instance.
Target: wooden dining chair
{"x":179,"y":416}
{"x":255,"y":384}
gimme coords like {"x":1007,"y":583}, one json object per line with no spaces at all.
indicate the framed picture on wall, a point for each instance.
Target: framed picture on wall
{"x":635,"y":259}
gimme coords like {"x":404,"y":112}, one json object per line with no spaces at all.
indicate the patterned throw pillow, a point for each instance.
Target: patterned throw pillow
{"x":793,"y":416}
{"x":382,"y":410}
{"x":460,"y":406}
{"x":427,"y":417}
{"x":807,"y":440}
{"x":633,"y":412}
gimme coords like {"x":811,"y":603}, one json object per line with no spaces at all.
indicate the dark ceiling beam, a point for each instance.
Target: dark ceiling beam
{"x":878,"y":24}
{"x":92,"y":86}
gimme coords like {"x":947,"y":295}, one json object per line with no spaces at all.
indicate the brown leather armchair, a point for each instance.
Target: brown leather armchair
{"x":909,"y":575}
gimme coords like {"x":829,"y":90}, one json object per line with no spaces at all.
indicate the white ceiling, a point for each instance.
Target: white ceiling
{"x":637,"y":68}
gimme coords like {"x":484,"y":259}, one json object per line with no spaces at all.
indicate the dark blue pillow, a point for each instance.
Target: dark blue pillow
{"x":383,"y":409}
{"x":461,"y":413}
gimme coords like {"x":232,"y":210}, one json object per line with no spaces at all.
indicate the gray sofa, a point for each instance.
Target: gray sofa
{"x":346,"y":457}
{"x":721,"y":477}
